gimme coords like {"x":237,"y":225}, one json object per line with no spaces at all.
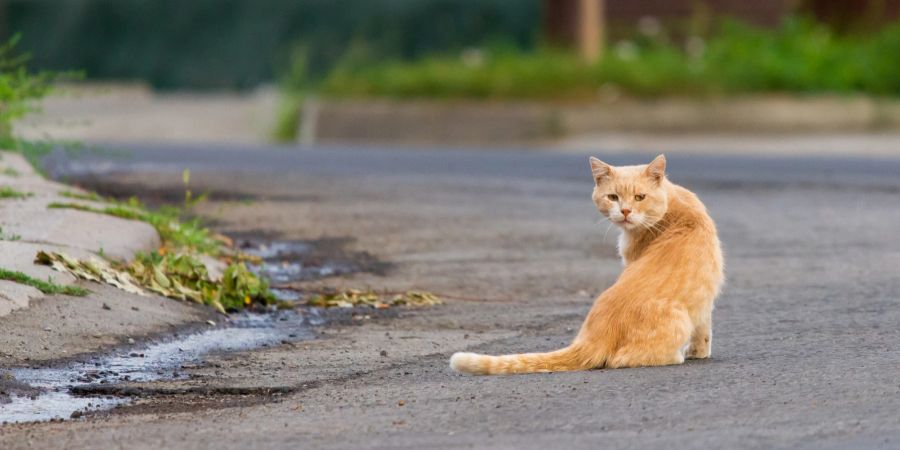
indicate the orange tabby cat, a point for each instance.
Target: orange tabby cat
{"x":659,"y":311}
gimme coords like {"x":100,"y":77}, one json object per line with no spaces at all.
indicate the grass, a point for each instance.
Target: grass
{"x":9,"y":237}
{"x":33,"y":151}
{"x":10,"y":172}
{"x":19,"y":88}
{"x":288,"y":118}
{"x":177,"y":234}
{"x":800,"y":56}
{"x":91,"y":196}
{"x":47,"y":287}
{"x":7,"y":192}
{"x":174,"y":270}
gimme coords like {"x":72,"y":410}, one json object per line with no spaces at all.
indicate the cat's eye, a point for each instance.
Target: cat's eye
{"x":613,"y":197}
{"x":640,"y":197}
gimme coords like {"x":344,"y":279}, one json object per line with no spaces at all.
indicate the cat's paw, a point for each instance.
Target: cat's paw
{"x":698,"y":353}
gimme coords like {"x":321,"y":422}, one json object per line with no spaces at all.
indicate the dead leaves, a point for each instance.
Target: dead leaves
{"x":94,"y":269}
{"x":174,"y":275}
{"x":350,"y":298}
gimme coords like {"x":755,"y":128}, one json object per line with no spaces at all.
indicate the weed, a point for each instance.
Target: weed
{"x":8,"y":192}
{"x":177,"y":234}
{"x":8,"y":237}
{"x":91,"y":196}
{"x":47,"y":287}
{"x":181,"y":276}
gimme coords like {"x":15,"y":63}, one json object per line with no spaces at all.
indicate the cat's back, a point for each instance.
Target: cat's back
{"x":688,"y":245}
{"x":700,"y":241}
{"x":691,"y":209}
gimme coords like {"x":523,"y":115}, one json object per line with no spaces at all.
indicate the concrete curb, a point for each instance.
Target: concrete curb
{"x":28,"y":225}
{"x":487,"y":122}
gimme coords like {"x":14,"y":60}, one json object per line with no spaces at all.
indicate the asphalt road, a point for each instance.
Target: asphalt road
{"x":806,"y":350}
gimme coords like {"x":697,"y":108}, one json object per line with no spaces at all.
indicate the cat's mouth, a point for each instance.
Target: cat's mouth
{"x":625,"y":223}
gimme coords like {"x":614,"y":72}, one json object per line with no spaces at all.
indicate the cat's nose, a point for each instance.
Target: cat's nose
{"x":626,"y":212}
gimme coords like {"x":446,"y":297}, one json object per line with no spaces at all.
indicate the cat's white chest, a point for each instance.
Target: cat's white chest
{"x":623,"y":244}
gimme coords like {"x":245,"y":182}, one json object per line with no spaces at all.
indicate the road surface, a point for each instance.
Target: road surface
{"x":806,"y":350}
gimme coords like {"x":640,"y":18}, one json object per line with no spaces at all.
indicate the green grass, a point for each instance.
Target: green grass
{"x":33,"y":151}
{"x":92,"y":196}
{"x":174,"y":271}
{"x":288,"y":118}
{"x":10,"y":172}
{"x":47,"y":287}
{"x":9,"y":237}
{"x":8,"y":192}
{"x":800,"y":56}
{"x":177,"y":234}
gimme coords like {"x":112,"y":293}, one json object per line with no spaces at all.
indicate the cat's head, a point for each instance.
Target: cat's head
{"x":632,"y":197}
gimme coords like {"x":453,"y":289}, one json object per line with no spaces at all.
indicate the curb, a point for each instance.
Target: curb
{"x":28,"y":225}
{"x":491,"y":122}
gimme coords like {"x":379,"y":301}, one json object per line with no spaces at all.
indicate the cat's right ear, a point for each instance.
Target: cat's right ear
{"x":600,"y":169}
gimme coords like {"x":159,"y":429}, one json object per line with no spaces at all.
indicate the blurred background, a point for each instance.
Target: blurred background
{"x":550,"y":73}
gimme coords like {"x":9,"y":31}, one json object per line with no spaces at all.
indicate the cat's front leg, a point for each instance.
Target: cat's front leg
{"x":701,"y":341}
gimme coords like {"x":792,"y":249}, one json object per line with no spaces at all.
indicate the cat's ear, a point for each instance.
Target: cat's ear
{"x":657,"y":168}
{"x":600,"y":169}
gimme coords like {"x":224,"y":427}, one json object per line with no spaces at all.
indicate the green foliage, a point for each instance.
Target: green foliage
{"x":47,"y":287}
{"x":177,"y":234}
{"x":175,"y":270}
{"x":798,"y":56}
{"x":185,"y":277}
{"x":33,"y":151}
{"x":226,"y":44}
{"x":495,"y":73}
{"x":181,"y":276}
{"x":288,"y":117}
{"x":4,"y":236}
{"x":19,"y":89}
{"x":240,"y":288}
{"x":92,"y":196}
{"x":8,"y":192}
{"x":803,"y":56}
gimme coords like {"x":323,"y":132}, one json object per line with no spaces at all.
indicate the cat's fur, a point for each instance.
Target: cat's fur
{"x":659,"y":311}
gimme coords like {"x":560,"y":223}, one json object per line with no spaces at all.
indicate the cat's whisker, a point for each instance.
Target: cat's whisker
{"x":607,"y":231}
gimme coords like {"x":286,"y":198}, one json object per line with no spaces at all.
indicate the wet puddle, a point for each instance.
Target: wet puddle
{"x":158,"y":361}
{"x":49,"y":389}
{"x":284,"y":262}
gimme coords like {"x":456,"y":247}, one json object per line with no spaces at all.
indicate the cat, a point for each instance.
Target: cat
{"x":659,"y":311}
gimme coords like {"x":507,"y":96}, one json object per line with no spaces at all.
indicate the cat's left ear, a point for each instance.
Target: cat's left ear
{"x":600,"y":169}
{"x":657,"y":168}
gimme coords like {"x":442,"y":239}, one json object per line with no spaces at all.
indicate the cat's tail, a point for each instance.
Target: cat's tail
{"x":567,"y":359}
